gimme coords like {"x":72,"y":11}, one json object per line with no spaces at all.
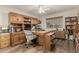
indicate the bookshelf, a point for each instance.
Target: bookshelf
{"x":71,"y":24}
{"x":29,"y":22}
{"x":16,"y":22}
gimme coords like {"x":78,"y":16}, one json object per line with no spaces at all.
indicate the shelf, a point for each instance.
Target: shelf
{"x":71,"y":23}
{"x":27,"y":20}
{"x":67,"y":21}
{"x":27,"y":23}
{"x":16,"y":26}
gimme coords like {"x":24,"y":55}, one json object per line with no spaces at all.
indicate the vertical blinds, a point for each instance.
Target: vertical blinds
{"x":55,"y":22}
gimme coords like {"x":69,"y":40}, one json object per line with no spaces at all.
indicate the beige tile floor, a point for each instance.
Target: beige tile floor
{"x":61,"y":47}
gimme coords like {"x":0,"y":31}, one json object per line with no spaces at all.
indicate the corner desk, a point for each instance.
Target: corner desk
{"x":44,"y":38}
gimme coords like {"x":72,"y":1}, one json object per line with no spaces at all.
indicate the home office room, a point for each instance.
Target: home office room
{"x":39,"y":29}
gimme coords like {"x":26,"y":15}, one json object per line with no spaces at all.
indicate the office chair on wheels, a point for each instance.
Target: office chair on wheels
{"x":31,"y":39}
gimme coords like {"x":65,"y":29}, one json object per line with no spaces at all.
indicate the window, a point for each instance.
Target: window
{"x":54,"y":22}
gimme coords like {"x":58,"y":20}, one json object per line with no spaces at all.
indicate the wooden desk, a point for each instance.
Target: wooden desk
{"x":40,"y":35}
{"x":44,"y":38}
{"x":48,"y":41}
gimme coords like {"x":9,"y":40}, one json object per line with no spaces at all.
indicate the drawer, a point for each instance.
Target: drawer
{"x":4,"y":36}
{"x":4,"y":39}
{"x":4,"y":44}
{"x":8,"y":42}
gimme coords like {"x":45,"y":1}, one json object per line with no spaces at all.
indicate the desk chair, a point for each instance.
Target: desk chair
{"x":31,"y":39}
{"x":59,"y":37}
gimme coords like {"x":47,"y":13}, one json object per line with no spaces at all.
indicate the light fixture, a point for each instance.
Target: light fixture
{"x":42,"y":9}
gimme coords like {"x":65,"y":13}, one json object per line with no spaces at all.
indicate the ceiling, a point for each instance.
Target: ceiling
{"x":33,"y":9}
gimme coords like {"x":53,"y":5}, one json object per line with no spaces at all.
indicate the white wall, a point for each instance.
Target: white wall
{"x":0,"y":19}
{"x":43,"y":22}
{"x":4,"y":10}
{"x":68,"y":13}
{"x":3,"y":19}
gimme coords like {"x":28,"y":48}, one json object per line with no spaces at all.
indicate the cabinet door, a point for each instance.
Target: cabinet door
{"x":4,"y":44}
{"x":20,"y":19}
{"x":34,"y":21}
{"x":15,"y":40}
{"x":13,"y":19}
{"x":22,"y":38}
{"x":16,"y":18}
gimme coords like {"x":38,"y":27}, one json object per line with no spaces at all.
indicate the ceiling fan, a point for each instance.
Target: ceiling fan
{"x":42,"y":9}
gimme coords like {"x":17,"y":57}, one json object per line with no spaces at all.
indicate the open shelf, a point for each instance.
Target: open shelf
{"x":71,"y":24}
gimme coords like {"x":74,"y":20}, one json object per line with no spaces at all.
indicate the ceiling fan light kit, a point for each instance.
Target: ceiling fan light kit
{"x":41,"y":9}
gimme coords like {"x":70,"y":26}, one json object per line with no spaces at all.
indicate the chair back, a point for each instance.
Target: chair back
{"x":29,"y":35}
{"x":60,"y":34}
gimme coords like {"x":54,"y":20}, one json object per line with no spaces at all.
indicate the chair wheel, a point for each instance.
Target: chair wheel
{"x":34,"y":46}
{"x":26,"y":47}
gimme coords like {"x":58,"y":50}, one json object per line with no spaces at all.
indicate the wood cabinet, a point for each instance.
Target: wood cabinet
{"x":48,"y":38}
{"x":14,"y":40}
{"x":29,"y":22}
{"x":20,"y":19}
{"x":4,"y":40}
{"x":16,"y":22}
{"x":34,"y":21}
{"x":41,"y":39}
{"x":15,"y":18}
{"x":22,"y":38}
{"x":17,"y":38}
{"x":44,"y":39}
{"x":12,"y":19}
{"x":71,"y":24}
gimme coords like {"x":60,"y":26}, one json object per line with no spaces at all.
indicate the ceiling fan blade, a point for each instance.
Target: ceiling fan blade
{"x":46,"y":9}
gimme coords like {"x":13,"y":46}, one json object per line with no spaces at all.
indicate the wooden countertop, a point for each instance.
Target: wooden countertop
{"x":4,"y":33}
{"x":41,"y":32}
